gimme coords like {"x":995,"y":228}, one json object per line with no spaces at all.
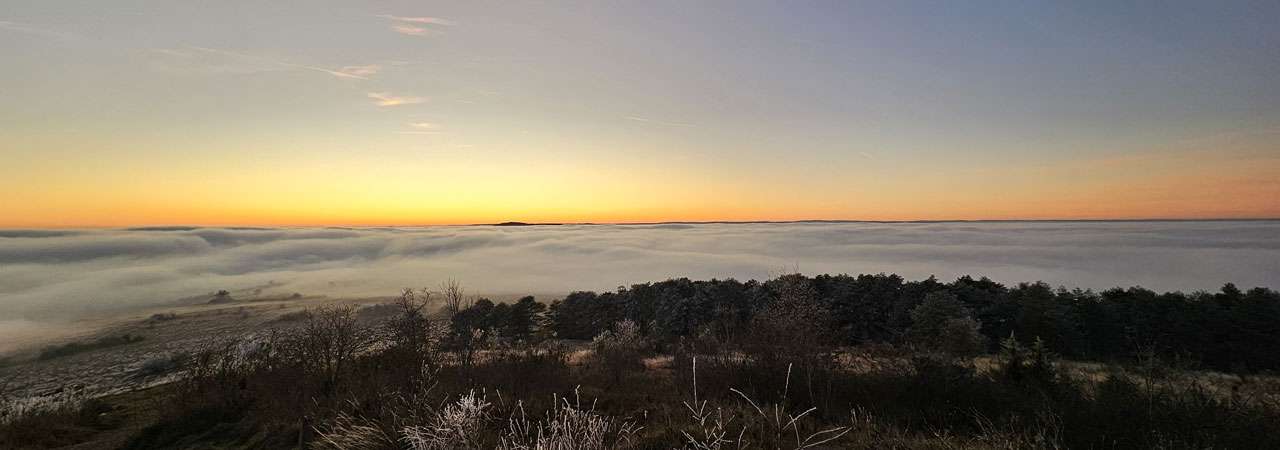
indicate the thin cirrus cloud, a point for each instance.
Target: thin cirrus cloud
{"x":242,"y":62}
{"x":35,"y":30}
{"x":388,"y":99}
{"x":416,"y":26}
{"x":660,"y":122}
{"x":363,"y":72}
{"x":430,"y":128}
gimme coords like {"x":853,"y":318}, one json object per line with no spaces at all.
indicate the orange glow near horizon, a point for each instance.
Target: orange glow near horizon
{"x":1223,"y":181}
{"x":1178,"y":185}
{"x":1239,"y":189}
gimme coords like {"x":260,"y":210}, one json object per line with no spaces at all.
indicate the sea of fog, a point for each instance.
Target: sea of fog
{"x":60,"y":274}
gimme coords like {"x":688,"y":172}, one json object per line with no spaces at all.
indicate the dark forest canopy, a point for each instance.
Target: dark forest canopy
{"x":1230,"y":330}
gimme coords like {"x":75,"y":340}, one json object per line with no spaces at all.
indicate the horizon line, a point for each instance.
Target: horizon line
{"x":177,"y":227}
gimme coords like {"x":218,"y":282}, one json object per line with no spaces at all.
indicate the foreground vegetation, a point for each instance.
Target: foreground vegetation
{"x":794,"y":362}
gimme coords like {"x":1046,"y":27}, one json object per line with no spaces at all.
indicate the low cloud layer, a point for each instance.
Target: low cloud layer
{"x":68,"y":274}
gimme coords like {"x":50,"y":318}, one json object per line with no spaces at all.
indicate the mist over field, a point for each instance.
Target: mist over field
{"x":72,"y":273}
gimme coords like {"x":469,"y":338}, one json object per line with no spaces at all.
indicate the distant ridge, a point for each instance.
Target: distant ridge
{"x":522,"y":224}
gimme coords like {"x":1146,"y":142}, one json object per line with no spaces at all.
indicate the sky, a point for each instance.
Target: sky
{"x":156,"y":112}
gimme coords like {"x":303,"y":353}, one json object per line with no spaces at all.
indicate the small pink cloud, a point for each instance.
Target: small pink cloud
{"x":360,"y":71}
{"x":422,"y":20}
{"x":409,"y":29}
{"x":415,"y":26}
{"x":387,"y":99}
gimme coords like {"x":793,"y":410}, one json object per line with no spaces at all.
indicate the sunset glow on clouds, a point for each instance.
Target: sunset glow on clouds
{"x":413,"y":113}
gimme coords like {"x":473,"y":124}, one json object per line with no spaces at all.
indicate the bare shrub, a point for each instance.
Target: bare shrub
{"x":453,"y":295}
{"x":216,"y":372}
{"x":410,"y":328}
{"x":329,"y":342}
{"x":619,"y":349}
{"x":413,"y":340}
{"x":470,"y":333}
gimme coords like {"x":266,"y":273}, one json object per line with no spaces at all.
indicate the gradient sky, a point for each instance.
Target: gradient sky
{"x":411,"y":112}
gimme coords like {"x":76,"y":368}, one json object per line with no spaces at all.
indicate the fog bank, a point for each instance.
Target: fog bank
{"x":70,"y":273}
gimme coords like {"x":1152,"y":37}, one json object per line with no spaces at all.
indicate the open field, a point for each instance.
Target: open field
{"x":116,"y":369}
{"x":163,"y":333}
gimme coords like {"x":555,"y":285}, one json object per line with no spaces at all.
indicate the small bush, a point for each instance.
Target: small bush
{"x":222,"y":296}
{"x":162,"y":317}
{"x":161,"y":365}
{"x":1035,"y":364}
{"x":943,"y":324}
{"x":71,"y":348}
{"x":293,"y":316}
{"x":377,"y":311}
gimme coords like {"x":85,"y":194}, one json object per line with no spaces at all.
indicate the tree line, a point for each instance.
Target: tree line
{"x":1228,"y":330}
